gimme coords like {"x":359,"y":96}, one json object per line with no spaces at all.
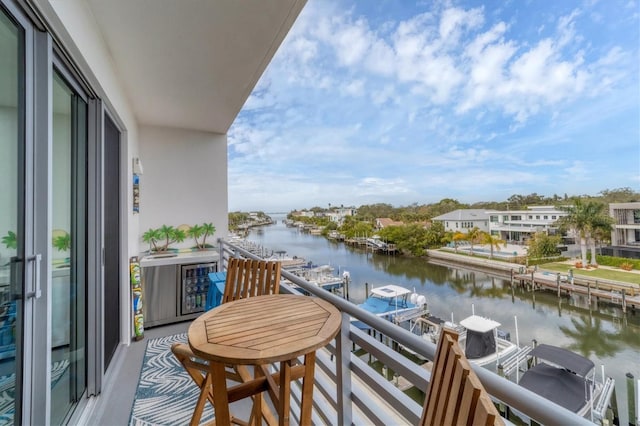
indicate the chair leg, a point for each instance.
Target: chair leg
{"x":197,"y":412}
{"x":307,"y":389}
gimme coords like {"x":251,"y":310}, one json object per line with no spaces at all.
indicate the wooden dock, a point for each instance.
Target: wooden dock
{"x":624,"y":294}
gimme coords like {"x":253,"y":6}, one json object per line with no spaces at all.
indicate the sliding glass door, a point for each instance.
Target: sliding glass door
{"x":12,"y":223}
{"x":69,"y":236}
{"x":44,"y":134}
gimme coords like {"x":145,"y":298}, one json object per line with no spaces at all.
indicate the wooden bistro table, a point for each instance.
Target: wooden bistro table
{"x":259,"y":331}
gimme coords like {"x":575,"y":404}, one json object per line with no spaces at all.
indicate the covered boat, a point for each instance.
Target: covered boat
{"x":480,"y":337}
{"x":568,"y":379}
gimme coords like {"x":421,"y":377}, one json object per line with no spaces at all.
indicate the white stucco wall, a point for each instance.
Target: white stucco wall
{"x":184,"y":180}
{"x":75,"y":25}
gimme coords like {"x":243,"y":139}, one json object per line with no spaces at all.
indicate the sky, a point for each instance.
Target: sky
{"x":404,"y":102}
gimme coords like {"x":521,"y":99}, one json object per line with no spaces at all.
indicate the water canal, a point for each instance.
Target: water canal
{"x":605,"y":335}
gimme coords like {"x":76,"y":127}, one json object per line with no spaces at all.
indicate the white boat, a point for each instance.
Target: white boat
{"x":322,"y":276}
{"x":569,"y":380}
{"x":479,"y":337}
{"x":287,"y":262}
{"x":394,"y":303}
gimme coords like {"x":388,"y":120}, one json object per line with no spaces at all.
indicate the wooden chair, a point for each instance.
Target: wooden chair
{"x":245,"y":278}
{"x":455,"y":395}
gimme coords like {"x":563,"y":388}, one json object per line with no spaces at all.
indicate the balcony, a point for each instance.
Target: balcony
{"x":347,"y":389}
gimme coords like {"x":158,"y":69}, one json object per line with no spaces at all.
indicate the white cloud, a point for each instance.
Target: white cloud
{"x":454,"y":21}
{"x":396,"y":108}
{"x":383,"y":95}
{"x":380,"y":186}
{"x":353,"y":88}
{"x":577,"y":171}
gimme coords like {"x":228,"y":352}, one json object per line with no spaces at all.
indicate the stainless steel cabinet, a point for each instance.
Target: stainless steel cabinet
{"x":159,"y":294}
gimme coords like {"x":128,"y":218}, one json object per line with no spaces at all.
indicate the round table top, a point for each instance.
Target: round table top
{"x":264,"y":329}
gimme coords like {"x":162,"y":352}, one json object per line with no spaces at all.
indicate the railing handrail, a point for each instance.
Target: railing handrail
{"x":534,"y":406}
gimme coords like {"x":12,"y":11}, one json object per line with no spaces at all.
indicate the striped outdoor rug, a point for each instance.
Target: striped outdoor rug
{"x":166,"y":395}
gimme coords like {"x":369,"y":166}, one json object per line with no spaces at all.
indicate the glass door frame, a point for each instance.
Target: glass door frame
{"x":33,"y":357}
{"x":31,"y":366}
{"x":93,"y":245}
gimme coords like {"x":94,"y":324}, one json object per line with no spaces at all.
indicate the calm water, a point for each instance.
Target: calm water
{"x":605,"y":335}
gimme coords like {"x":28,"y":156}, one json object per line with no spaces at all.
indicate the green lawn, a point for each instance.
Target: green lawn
{"x":611,"y":274}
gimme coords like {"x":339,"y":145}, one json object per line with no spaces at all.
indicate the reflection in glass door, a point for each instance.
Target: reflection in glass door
{"x":68,"y":284}
{"x":12,"y":251}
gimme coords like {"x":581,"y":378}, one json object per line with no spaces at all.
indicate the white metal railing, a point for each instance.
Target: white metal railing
{"x":349,"y":391}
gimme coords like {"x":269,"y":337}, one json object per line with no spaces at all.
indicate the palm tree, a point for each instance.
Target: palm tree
{"x":577,"y":220}
{"x":601,"y":227}
{"x":473,"y":236}
{"x":584,"y":219}
{"x":207,"y":229}
{"x":196,"y":232}
{"x":459,"y":236}
{"x":448,"y":238}
{"x":493,"y":241}
{"x":152,"y":236}
{"x":453,"y":237}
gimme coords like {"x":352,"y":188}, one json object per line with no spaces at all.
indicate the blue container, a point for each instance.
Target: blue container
{"x":216,"y":289}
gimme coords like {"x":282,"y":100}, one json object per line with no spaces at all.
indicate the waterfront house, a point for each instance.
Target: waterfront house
{"x":337,"y":214}
{"x":626,"y":228}
{"x":625,"y":235}
{"x":520,"y":225}
{"x":462,"y":220}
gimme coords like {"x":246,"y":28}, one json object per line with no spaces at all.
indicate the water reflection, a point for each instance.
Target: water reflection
{"x":590,"y":338}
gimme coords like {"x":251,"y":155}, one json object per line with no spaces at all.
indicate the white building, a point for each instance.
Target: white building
{"x":463,"y":220}
{"x":511,"y":225}
{"x":89,"y":91}
{"x":519,"y":225}
{"x":626,"y":228}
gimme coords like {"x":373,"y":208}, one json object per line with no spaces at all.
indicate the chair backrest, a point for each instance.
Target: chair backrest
{"x":455,"y":395}
{"x":247,"y":278}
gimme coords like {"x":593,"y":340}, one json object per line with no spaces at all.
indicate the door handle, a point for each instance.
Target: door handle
{"x":13,"y":278}
{"x":36,"y":286}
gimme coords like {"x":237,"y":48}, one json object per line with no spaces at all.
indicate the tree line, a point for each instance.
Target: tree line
{"x":423,"y":212}
{"x":587,"y":218}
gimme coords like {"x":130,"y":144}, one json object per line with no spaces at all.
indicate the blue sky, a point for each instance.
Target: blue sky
{"x":404,"y":102}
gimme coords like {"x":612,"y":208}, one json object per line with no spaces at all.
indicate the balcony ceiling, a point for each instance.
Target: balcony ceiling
{"x":192,"y":63}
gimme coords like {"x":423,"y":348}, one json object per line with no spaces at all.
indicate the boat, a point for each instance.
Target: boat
{"x":480,"y":338}
{"x":569,"y":380}
{"x":393,"y":303}
{"x":287,"y":263}
{"x":322,"y":276}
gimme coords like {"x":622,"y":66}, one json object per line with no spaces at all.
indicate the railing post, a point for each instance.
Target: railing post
{"x":343,"y":373}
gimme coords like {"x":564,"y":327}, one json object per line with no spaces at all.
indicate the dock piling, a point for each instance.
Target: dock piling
{"x":631,"y":399}
{"x":533,"y":283}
